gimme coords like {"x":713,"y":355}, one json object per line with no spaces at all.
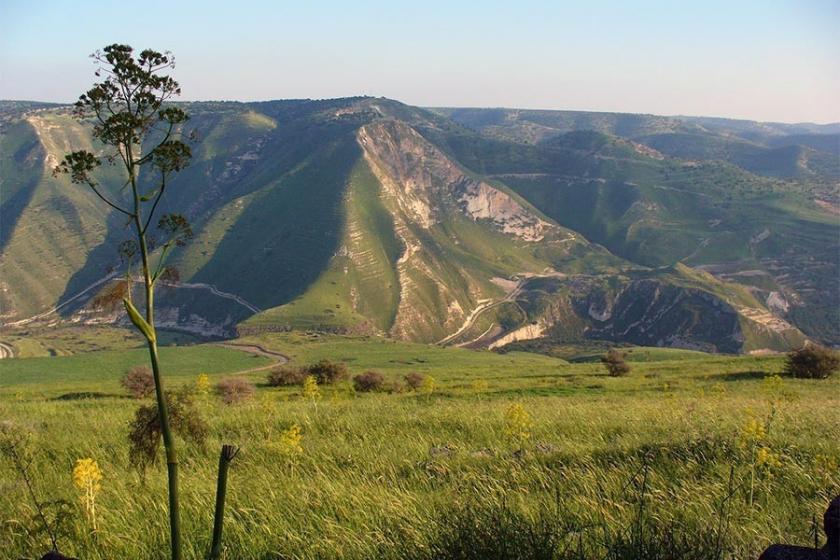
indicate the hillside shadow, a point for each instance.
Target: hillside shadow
{"x":285,"y":238}
{"x":27,"y":159}
{"x":99,"y":263}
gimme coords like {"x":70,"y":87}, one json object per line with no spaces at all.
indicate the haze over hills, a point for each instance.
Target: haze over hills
{"x":481,"y":227}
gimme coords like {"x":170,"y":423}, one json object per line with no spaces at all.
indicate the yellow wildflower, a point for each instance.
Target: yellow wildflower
{"x":766,"y":459}
{"x":427,"y":386}
{"x":202,"y":385}
{"x":752,"y":432}
{"x":289,"y":442}
{"x":518,"y":423}
{"x":310,"y":389}
{"x":86,"y":477}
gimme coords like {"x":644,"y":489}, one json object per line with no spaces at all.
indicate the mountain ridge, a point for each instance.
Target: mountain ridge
{"x":367,"y":215}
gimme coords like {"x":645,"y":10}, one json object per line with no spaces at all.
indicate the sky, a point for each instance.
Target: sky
{"x":770,"y":60}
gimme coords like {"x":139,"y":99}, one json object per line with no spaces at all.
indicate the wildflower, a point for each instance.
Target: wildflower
{"x":202,"y":385}
{"x":427,"y":386}
{"x":289,"y":442}
{"x":310,"y":389}
{"x":766,"y":459}
{"x":86,"y":477}
{"x":752,"y":432}
{"x":518,"y":424}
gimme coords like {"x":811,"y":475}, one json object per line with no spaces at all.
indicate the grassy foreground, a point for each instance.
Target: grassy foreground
{"x":516,"y":456}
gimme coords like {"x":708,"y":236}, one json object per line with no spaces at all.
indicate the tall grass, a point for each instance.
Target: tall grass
{"x":612,"y":469}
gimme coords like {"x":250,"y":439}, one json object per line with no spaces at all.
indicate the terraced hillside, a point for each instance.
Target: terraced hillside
{"x":365,"y":215}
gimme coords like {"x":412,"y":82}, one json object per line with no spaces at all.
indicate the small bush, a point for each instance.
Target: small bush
{"x":234,"y":390}
{"x":145,"y":432}
{"x":812,"y":362}
{"x":285,"y":376}
{"x":326,"y":372}
{"x":139,"y":382}
{"x":414,"y":380}
{"x":368,"y":381}
{"x":615,"y":364}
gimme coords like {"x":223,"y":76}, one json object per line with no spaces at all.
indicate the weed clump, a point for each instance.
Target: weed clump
{"x":414,"y":380}
{"x":234,"y":390}
{"x":145,"y":432}
{"x":368,"y":381}
{"x":615,"y":364}
{"x":139,"y":382}
{"x":327,"y":372}
{"x":285,"y":376}
{"x":812,"y":362}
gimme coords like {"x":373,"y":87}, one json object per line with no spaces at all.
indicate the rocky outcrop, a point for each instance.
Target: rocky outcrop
{"x":427,"y":184}
{"x":528,"y":332}
{"x":647,"y":311}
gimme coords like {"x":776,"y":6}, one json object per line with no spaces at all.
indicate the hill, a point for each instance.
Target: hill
{"x":474,"y":227}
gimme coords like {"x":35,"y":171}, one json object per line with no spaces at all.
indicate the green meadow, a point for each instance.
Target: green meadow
{"x":512,"y":455}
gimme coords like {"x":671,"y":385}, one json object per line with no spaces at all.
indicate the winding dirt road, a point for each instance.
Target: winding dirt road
{"x":256,"y":349}
{"x":468,"y":322}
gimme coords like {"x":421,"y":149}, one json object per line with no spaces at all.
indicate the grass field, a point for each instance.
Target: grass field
{"x":548,"y":458}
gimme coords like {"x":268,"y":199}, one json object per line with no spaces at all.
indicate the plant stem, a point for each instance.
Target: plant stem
{"x":163,"y":409}
{"x":225,"y":458}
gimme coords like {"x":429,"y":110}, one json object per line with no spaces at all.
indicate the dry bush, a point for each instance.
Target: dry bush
{"x":812,"y":362}
{"x":615,"y":364}
{"x":368,"y":381}
{"x":285,"y":376}
{"x":139,"y":382}
{"x":145,"y":432}
{"x":234,"y":390}
{"x":414,"y":380}
{"x":326,"y":372}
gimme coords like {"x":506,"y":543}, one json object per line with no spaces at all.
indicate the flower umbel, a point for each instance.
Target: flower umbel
{"x":518,"y":424}
{"x":289,"y":442}
{"x":310,"y":389}
{"x":202,"y":385}
{"x":86,"y":477}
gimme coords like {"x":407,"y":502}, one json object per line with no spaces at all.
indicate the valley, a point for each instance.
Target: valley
{"x":410,"y":214}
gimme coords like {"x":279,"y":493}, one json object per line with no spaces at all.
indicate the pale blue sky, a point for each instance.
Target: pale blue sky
{"x":759,"y":59}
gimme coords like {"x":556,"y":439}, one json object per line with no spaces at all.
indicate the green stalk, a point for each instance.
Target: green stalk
{"x":163,"y":409}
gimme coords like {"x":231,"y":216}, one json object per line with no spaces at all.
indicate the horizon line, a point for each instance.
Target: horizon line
{"x":474,"y":107}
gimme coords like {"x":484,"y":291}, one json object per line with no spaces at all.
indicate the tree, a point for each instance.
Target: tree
{"x":812,"y":362}
{"x":139,"y":130}
{"x":615,"y":364}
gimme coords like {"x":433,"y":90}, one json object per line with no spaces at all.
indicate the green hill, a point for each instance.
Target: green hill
{"x":471,"y":227}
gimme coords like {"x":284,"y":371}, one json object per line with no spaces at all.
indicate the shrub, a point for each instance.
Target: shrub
{"x":812,"y":362}
{"x":615,"y":364}
{"x":139,"y":382}
{"x":145,"y":432}
{"x":414,"y":380}
{"x":285,"y":376}
{"x":327,"y":372}
{"x":234,"y":390}
{"x":368,"y":381}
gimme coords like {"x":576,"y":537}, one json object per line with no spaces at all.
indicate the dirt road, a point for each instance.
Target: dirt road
{"x":256,"y":349}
